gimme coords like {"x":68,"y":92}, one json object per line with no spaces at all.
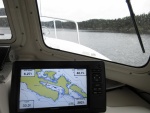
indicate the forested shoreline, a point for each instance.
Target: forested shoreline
{"x":122,"y":25}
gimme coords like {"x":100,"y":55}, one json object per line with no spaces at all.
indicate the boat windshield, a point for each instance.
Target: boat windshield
{"x":101,"y":28}
{"x":59,"y":29}
{"x":5,"y":32}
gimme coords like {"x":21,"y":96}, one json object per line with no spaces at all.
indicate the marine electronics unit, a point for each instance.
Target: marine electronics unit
{"x":53,"y":87}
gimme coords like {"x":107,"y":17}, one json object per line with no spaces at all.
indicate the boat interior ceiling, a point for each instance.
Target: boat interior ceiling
{"x":127,"y":86}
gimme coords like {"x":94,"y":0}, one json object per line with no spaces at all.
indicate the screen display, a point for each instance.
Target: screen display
{"x":43,"y":88}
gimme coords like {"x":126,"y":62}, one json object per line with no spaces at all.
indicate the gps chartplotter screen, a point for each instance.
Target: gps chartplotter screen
{"x":58,"y":86}
{"x":41,"y":88}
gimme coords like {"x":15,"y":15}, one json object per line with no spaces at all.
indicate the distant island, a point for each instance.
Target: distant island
{"x":121,"y":25}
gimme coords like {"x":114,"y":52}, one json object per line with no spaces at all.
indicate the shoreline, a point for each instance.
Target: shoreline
{"x":109,"y":31}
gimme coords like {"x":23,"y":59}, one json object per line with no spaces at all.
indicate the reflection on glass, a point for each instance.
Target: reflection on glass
{"x":59,"y":29}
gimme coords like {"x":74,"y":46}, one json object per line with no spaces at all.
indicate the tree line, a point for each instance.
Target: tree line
{"x":59,"y":24}
{"x":123,"y":25}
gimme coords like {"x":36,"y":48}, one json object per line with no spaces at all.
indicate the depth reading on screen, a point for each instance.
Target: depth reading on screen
{"x":43,"y":88}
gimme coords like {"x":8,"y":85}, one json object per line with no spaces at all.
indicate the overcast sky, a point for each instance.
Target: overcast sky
{"x":1,"y":4}
{"x":80,"y":10}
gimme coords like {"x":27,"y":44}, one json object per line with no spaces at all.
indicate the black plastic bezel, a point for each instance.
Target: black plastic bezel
{"x":15,"y":87}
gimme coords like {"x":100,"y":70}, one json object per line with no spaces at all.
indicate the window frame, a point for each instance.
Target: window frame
{"x":8,"y":12}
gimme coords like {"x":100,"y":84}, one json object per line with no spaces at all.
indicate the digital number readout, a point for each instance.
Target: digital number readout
{"x":27,"y":72}
{"x":80,"y":72}
{"x":26,"y":104}
{"x":80,"y":101}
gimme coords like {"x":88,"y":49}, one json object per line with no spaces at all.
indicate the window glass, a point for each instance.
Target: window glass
{"x":106,"y":29}
{"x":5,"y":32}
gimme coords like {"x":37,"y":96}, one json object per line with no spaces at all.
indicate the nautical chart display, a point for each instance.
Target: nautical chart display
{"x":41,"y":88}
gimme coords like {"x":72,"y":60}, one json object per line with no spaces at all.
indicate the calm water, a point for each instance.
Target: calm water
{"x":119,"y":47}
{"x":5,"y":33}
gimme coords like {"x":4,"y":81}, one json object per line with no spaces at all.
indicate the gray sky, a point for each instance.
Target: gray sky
{"x":1,"y":4}
{"x":80,"y":10}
